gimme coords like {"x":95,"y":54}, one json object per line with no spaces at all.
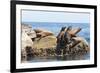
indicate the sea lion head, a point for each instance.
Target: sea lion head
{"x":69,"y":28}
{"x":63,"y":28}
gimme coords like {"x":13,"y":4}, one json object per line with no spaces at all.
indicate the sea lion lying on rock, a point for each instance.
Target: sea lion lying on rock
{"x":83,"y":43}
{"x":42,"y":33}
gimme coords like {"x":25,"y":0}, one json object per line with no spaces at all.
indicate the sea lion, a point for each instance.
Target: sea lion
{"x":60,"y":36}
{"x":38,"y":30}
{"x":83,"y":43}
{"x":60,"y":41}
{"x":67,"y":40}
{"x":42,"y":33}
{"x":73,"y":32}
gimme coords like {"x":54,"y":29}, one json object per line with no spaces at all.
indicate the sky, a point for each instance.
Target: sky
{"x":51,"y":16}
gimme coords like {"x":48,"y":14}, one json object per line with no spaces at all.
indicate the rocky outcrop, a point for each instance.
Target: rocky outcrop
{"x":27,"y":35}
{"x":43,"y":43}
{"x":26,"y":40}
{"x":39,"y":41}
{"x":68,"y":43}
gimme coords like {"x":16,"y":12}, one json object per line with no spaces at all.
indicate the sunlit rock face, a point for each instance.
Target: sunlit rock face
{"x":46,"y":42}
{"x":26,"y":40}
{"x":26,"y":35}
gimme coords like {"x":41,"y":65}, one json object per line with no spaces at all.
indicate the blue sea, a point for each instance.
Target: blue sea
{"x":56,"y":27}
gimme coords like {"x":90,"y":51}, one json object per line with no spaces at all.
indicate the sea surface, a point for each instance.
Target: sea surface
{"x":56,"y":27}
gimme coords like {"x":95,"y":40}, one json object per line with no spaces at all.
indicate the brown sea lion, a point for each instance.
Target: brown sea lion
{"x":68,"y":43}
{"x":73,"y":32}
{"x":38,"y":30}
{"x":83,"y":43}
{"x":42,"y":33}
{"x":61,"y":34}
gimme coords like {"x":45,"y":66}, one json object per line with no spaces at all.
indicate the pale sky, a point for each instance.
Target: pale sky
{"x":58,"y":17}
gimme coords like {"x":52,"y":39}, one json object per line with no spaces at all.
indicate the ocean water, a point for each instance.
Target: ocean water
{"x":56,"y":27}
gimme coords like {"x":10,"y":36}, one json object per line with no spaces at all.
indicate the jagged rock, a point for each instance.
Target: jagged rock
{"x":28,"y":30}
{"x":26,"y":40}
{"x":32,"y":34}
{"x":27,"y":35}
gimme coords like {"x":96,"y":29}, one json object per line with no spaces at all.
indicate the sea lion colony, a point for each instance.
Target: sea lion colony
{"x":68,"y":43}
